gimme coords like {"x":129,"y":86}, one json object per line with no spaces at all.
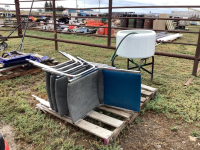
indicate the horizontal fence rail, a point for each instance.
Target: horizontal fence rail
{"x":196,"y":58}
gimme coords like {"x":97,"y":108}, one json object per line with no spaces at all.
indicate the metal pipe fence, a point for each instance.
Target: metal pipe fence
{"x":196,"y":58}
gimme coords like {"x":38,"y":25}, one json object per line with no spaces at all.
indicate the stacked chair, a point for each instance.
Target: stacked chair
{"x":76,"y":87}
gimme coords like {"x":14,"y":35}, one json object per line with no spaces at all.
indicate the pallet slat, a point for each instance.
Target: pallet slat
{"x":143,"y":99}
{"x":105,"y":119}
{"x":147,"y":93}
{"x":116,"y":112}
{"x":148,"y":88}
{"x":92,"y":128}
{"x":19,"y":74}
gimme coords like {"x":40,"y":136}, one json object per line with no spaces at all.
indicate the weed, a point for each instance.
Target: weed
{"x":195,"y":133}
{"x":138,"y":120}
{"x":174,"y":128}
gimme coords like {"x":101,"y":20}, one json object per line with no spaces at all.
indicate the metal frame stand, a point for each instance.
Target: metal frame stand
{"x":141,"y":66}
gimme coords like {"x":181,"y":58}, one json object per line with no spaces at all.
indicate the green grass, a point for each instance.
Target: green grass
{"x":46,"y":132}
{"x":195,"y":133}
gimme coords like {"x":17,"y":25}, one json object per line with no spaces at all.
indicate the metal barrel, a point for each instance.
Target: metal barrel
{"x":132,"y":22}
{"x":140,"y":22}
{"x":124,"y":22}
{"x":148,"y":23}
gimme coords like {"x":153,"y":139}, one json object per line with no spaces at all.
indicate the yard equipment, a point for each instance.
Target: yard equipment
{"x":3,"y":44}
{"x":16,"y":58}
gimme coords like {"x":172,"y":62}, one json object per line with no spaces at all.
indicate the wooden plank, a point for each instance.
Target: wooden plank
{"x":94,"y":129}
{"x":189,"y":81}
{"x":19,"y":74}
{"x":117,"y":112}
{"x":118,"y":108}
{"x":143,"y":99}
{"x":148,"y":88}
{"x":105,"y":119}
{"x":46,"y":109}
{"x":133,"y":117}
{"x":147,"y":93}
{"x":142,"y":105}
{"x":10,"y":68}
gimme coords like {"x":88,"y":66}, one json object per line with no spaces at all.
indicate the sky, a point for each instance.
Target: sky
{"x":104,"y":3}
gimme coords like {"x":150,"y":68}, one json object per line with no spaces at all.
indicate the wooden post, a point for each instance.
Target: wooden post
{"x":55,"y":26}
{"x":196,"y":61}
{"x":109,"y":22}
{"x":17,"y":7}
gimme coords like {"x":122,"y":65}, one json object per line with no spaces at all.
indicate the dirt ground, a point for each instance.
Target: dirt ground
{"x":155,"y":131}
{"x":150,"y":131}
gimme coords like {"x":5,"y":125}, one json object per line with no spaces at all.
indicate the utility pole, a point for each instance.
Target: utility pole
{"x":76,"y":5}
{"x":84,"y":4}
{"x":99,"y":5}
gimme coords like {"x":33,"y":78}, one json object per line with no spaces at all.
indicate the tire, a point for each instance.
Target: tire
{"x":5,"y":44}
{"x":2,"y":47}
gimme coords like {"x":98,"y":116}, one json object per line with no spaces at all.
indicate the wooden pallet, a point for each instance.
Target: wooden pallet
{"x":108,"y":136}
{"x":170,"y":25}
{"x":19,"y":71}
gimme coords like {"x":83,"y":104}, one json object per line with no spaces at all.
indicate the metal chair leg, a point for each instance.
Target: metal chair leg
{"x":127,"y":64}
{"x":152,"y":67}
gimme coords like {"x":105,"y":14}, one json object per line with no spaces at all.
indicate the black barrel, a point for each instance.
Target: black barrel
{"x":132,"y":22}
{"x":124,"y":23}
{"x":140,"y":22}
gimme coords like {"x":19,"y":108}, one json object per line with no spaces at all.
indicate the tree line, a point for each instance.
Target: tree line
{"x":49,"y":4}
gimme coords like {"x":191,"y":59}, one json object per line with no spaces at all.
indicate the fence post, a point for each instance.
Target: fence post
{"x":109,"y":22}
{"x":55,"y":26}
{"x":17,"y":7}
{"x":196,"y":61}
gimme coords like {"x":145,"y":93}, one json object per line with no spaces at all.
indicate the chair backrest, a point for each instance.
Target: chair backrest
{"x":82,"y":96}
{"x":122,"y":89}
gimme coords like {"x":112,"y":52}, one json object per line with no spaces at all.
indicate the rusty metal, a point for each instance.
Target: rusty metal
{"x":67,"y":8}
{"x":72,"y":42}
{"x":197,"y":54}
{"x":190,"y":57}
{"x":167,"y":6}
{"x":104,"y":36}
{"x":55,"y":26}
{"x":190,"y":19}
{"x":196,"y":58}
{"x":7,"y":17}
{"x":109,"y":23}
{"x":9,"y":11}
{"x":6,"y":30}
{"x":10,"y":37}
{"x":7,"y":4}
{"x":178,"y":43}
{"x":17,"y":7}
{"x":41,"y":0}
{"x":172,"y":31}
